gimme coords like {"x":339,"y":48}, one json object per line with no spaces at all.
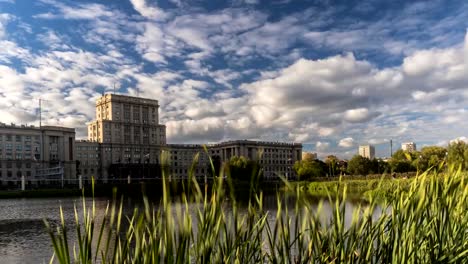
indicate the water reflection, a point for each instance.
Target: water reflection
{"x":23,"y":238}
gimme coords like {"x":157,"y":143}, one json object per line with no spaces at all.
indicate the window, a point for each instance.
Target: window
{"x":28,"y":173}
{"x":19,"y":156}
{"x":19,"y":147}
{"x":18,"y":165}
{"x":18,"y":174}
{"x":8,"y":137}
{"x":18,"y":138}
{"x":9,"y":173}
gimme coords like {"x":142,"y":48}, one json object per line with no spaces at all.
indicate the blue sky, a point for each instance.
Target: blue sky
{"x":329,"y":74}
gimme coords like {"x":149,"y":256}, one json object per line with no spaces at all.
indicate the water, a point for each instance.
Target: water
{"x":23,"y":237}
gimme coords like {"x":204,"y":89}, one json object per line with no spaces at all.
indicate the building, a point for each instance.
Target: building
{"x":408,"y":146}
{"x":126,"y":139}
{"x":309,"y":156}
{"x":126,"y":133}
{"x":367,"y":151}
{"x":273,"y":157}
{"x":38,"y":153}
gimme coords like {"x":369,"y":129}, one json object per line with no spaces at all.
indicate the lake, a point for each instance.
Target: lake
{"x":23,"y":238}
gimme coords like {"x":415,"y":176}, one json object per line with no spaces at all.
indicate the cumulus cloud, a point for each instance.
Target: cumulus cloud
{"x":147,"y":11}
{"x":346,"y":142}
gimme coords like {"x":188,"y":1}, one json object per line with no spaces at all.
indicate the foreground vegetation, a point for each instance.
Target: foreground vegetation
{"x":426,"y":221}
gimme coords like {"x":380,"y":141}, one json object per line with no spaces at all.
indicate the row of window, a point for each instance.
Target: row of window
{"x":9,"y":173}
{"x":18,"y":165}
{"x":18,"y":138}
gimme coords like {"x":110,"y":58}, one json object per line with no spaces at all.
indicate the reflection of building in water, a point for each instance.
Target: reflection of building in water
{"x":126,"y":139}
{"x":37,"y":153}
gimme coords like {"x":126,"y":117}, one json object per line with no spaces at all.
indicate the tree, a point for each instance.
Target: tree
{"x":359,"y":165}
{"x":306,"y":169}
{"x":402,"y":161}
{"x":242,"y":168}
{"x":457,"y":154}
{"x":332,"y":164}
{"x":433,"y":155}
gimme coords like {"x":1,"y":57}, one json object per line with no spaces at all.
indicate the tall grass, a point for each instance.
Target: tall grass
{"x":426,"y":222}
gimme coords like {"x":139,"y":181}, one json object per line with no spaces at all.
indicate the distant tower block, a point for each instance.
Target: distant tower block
{"x":367,"y":151}
{"x":408,"y":146}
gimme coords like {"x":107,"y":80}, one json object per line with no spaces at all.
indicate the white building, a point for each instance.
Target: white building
{"x":408,"y":146}
{"x":367,"y":151}
{"x":37,"y":153}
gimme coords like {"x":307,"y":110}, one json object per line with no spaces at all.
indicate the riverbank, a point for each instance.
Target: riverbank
{"x":134,"y":190}
{"x":356,"y":187}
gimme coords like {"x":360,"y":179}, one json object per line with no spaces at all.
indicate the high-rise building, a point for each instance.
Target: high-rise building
{"x":367,"y":151}
{"x":38,"y":153}
{"x":126,"y":131}
{"x":408,"y":146}
{"x":127,"y":139}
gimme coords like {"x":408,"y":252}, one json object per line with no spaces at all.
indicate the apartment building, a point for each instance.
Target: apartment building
{"x":367,"y":151}
{"x":37,"y":153}
{"x":408,"y":146}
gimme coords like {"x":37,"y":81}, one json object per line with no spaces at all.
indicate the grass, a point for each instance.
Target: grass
{"x":424,"y":221}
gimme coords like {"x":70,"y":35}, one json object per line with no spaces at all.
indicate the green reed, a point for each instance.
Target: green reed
{"x":426,"y":222}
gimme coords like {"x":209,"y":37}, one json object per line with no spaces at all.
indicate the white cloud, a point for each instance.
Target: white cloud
{"x":346,"y":142}
{"x":151,"y":12}
{"x":322,"y":146}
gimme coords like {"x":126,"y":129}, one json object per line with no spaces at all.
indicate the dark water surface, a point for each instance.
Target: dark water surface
{"x":23,"y":237}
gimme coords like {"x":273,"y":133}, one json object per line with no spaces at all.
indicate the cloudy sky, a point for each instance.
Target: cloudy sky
{"x":329,"y":74}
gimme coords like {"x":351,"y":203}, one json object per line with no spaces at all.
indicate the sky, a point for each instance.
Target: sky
{"x":330,"y":74}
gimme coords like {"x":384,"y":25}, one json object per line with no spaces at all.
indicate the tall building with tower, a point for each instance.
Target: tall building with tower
{"x":367,"y":151}
{"x":125,"y":134}
{"x":126,"y":139}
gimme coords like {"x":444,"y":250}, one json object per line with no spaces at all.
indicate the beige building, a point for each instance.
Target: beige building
{"x":126,"y":139}
{"x":309,"y":156}
{"x":38,"y":153}
{"x":126,"y":131}
{"x":367,"y":151}
{"x":275,"y":158}
{"x":408,"y":146}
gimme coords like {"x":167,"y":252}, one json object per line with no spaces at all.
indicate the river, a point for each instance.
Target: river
{"x":23,"y":238}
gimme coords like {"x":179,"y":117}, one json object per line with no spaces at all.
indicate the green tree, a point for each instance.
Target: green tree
{"x":332,"y":164}
{"x":306,"y":169}
{"x":242,"y":168}
{"x":402,"y":161}
{"x":457,"y":154}
{"x":359,"y":165}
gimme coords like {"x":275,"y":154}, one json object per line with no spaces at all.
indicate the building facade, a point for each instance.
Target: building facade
{"x":274,"y":158}
{"x":408,"y":146}
{"x":367,"y":151}
{"x":126,"y":139}
{"x":126,"y":132}
{"x":38,"y":153}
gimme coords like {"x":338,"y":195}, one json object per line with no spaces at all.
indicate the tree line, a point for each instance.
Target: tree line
{"x":430,"y":157}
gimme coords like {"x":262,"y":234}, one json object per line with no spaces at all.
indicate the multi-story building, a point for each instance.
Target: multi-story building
{"x":408,"y":146}
{"x":367,"y":151}
{"x":127,"y":139}
{"x":38,"y":153}
{"x":126,"y":132}
{"x":309,"y":155}
{"x":275,"y":158}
